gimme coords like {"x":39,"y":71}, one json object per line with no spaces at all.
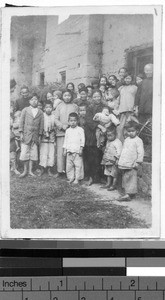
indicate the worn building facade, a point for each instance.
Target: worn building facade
{"x":80,"y":48}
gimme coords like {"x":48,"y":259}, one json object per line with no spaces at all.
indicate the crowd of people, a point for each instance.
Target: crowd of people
{"x":88,"y":134}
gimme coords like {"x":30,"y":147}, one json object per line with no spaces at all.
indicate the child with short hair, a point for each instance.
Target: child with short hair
{"x":105,"y":119}
{"x":112,"y":80}
{"x":31,"y":128}
{"x":83,"y":94}
{"x":56,"y":99}
{"x":73,"y":150}
{"x":47,"y":147}
{"x":110,"y":158}
{"x":61,"y":121}
{"x":131,"y":157}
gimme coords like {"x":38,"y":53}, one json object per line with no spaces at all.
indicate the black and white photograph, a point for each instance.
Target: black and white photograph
{"x":81,"y":118}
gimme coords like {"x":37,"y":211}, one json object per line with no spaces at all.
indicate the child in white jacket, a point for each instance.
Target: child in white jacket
{"x":131,"y":156}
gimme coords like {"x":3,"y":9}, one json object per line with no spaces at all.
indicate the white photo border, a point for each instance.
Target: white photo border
{"x":99,"y":234}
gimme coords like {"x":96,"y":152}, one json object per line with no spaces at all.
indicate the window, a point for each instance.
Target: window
{"x":63,"y":77}
{"x":42,"y":78}
{"x":138,"y":58}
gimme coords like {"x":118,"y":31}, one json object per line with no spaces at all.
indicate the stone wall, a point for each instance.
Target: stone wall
{"x":145,"y":179}
{"x":67,"y":47}
{"x":122,"y":32}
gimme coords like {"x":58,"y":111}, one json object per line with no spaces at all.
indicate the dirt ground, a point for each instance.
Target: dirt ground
{"x":139,"y":207}
{"x":46,"y":202}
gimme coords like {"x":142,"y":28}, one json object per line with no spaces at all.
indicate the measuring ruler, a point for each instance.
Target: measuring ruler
{"x":82,"y":288}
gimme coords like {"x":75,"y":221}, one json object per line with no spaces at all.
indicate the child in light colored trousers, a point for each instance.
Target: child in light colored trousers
{"x":105,"y":119}
{"x":73,"y":150}
{"x":47,"y":146}
{"x":131,"y":157}
{"x":110,"y":158}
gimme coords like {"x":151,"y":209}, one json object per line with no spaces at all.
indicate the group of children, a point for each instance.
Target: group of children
{"x":54,"y":130}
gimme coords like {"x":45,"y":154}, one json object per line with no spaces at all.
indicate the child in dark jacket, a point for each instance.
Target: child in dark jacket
{"x":31,"y":128}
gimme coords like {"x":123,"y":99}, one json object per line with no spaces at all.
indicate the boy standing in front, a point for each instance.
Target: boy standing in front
{"x":73,"y":150}
{"x":31,"y":128}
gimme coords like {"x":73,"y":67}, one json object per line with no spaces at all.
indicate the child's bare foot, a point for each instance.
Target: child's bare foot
{"x":41,"y":172}
{"x":32,"y":174}
{"x":71,"y":181}
{"x":112,"y":188}
{"x":105,"y":186}
{"x":16,"y":172}
{"x":75,"y":181}
{"x":124,"y":198}
{"x":57,"y":175}
{"x":23,"y":175}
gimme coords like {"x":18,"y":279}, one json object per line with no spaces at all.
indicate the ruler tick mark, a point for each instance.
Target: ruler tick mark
{"x":84,"y":285}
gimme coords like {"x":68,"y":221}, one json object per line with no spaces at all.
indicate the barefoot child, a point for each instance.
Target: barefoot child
{"x":110,"y":158}
{"x":31,"y":128}
{"x":131,"y":156}
{"x":73,"y":149}
{"x":47,"y":147}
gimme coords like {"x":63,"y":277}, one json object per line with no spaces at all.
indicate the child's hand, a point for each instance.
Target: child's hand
{"x":21,"y":137}
{"x":103,"y":129}
{"x":64,"y":127}
{"x":64,"y":152}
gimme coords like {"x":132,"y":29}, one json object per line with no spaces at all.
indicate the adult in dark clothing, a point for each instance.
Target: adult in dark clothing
{"x":143,"y":100}
{"x":92,"y":154}
{"x":23,"y":101}
{"x":143,"y":109}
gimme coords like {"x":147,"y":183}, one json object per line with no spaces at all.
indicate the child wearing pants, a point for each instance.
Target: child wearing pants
{"x":31,"y":128}
{"x":73,"y":150}
{"x":47,"y":146}
{"x":110,"y":158}
{"x":131,"y":156}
